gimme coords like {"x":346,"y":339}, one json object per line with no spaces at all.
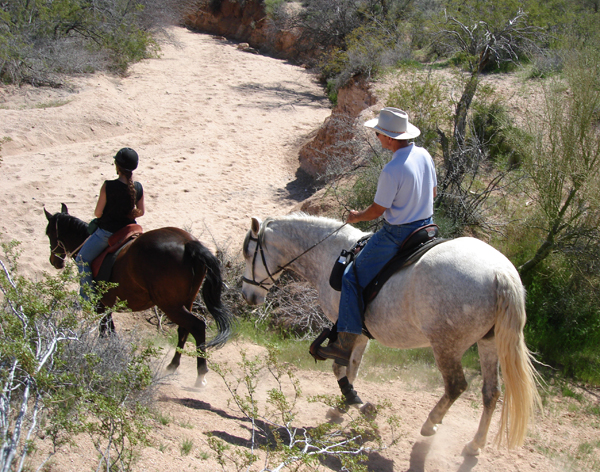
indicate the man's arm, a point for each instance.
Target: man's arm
{"x":373,"y":212}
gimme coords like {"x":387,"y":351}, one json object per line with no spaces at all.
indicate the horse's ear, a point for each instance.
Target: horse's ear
{"x":48,"y":214}
{"x":255,"y":227}
{"x":64,"y":209}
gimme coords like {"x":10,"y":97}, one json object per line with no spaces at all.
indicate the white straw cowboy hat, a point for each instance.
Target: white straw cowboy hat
{"x":393,"y":122}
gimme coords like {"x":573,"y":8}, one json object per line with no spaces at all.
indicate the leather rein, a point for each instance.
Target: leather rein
{"x":259,"y":249}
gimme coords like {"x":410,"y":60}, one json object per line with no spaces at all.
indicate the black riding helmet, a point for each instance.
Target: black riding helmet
{"x":127,"y":159}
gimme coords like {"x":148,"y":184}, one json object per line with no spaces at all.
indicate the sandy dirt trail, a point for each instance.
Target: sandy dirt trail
{"x":217,"y":130}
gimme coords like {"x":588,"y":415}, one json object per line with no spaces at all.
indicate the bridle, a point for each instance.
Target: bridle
{"x":61,"y":245}
{"x":259,"y":249}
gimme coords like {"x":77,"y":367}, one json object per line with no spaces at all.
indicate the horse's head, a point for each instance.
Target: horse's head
{"x":259,"y":275}
{"x":66,"y":233}
{"x":58,"y":252}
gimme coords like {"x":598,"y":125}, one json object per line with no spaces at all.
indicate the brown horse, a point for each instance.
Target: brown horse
{"x":164,"y":268}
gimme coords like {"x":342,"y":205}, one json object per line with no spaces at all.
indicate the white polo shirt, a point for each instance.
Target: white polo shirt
{"x":406,"y":184}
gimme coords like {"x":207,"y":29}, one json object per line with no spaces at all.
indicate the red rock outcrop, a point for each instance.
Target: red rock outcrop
{"x":332,"y":140}
{"x":247,"y":21}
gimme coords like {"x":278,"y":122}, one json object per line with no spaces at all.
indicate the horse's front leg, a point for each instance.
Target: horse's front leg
{"x":107,"y":325}
{"x":346,"y":377}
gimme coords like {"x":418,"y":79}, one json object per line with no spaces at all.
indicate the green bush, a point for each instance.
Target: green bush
{"x":563,"y":323}
{"x":369,"y":50}
{"x":45,"y":38}
{"x":59,"y":378}
{"x":421,"y":95}
{"x":275,"y":429}
{"x":493,"y":127}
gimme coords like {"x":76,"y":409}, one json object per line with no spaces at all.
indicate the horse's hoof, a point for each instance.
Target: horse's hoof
{"x":471,"y":449}
{"x":335,"y":415}
{"x":429,"y":428}
{"x":201,"y":382}
{"x":369,"y":411}
{"x":172,"y":367}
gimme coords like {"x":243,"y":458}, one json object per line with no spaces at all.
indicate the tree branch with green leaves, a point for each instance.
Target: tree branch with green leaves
{"x":563,"y":160}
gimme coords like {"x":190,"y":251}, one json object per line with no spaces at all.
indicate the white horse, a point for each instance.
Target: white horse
{"x":461,"y":292}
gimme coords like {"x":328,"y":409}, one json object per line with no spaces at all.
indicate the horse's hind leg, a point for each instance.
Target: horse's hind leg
{"x":198,"y":330}
{"x":454,"y":384}
{"x":491,"y":392}
{"x":189,"y":323}
{"x":182,"y":335}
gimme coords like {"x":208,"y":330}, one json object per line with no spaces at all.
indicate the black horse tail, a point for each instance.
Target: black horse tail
{"x":211,"y":290}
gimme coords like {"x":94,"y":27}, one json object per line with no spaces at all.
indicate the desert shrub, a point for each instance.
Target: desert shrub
{"x":422,"y":96}
{"x":369,"y":49}
{"x":292,"y":309}
{"x":563,"y":322}
{"x":277,"y":440}
{"x":232,"y":270}
{"x":358,"y":190}
{"x":272,"y":7}
{"x":43,"y":39}
{"x":493,"y":127}
{"x":545,"y":64}
{"x":59,"y":379}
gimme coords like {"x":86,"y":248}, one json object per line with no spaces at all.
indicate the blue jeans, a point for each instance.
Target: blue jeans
{"x":91,"y":249}
{"x":378,"y":251}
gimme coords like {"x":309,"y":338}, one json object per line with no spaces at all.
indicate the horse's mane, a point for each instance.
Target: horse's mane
{"x":70,"y":224}
{"x":321,"y":220}
{"x":312,"y":220}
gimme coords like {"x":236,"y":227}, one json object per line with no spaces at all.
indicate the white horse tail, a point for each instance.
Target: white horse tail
{"x":520,"y":377}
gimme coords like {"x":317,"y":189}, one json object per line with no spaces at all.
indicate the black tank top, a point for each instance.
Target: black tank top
{"x":118,"y":205}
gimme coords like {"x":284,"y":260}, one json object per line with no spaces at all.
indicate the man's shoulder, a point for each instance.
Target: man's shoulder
{"x":419,"y":149}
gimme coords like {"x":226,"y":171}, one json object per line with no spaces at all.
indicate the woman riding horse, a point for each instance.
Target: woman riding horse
{"x":164,"y":267}
{"x":120,"y":202}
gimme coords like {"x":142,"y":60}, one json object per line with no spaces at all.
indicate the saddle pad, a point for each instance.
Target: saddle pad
{"x":395,"y":264}
{"x":115,"y":242}
{"x":105,"y":269}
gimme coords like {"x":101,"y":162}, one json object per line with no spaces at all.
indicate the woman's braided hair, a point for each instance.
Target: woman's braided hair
{"x":128,"y":174}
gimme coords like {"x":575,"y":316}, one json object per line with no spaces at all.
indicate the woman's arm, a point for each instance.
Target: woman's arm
{"x":140,"y":206}
{"x":101,"y":202}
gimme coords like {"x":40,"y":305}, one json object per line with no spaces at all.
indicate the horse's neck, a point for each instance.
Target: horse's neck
{"x":73,"y":232}
{"x":316,"y":262}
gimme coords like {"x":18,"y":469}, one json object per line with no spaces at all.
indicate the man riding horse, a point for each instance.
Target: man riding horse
{"x":406,"y":188}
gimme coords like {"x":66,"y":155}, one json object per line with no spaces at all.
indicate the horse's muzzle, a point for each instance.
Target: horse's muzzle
{"x":251,"y":297}
{"x":57,"y":262}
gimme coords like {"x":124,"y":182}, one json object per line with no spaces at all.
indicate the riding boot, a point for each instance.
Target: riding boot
{"x":339,"y":350}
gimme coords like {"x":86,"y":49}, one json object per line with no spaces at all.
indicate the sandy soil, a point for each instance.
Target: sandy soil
{"x":218,"y":131}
